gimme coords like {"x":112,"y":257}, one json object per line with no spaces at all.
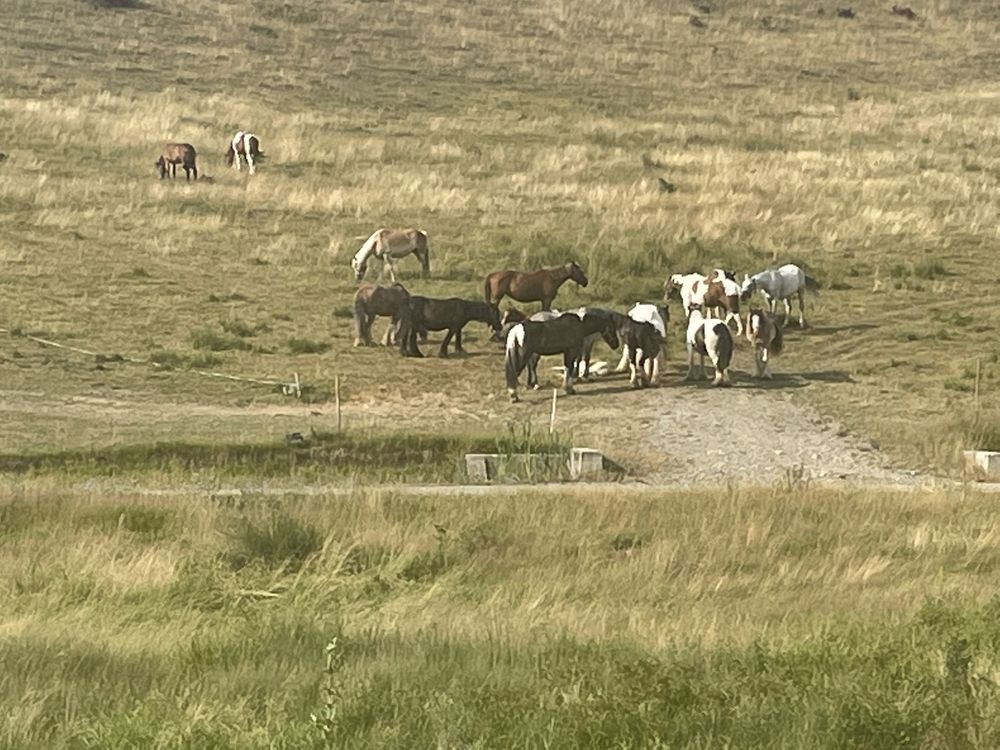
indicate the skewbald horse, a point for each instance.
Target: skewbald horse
{"x":534,"y":286}
{"x":388,"y":245}
{"x":244,"y":146}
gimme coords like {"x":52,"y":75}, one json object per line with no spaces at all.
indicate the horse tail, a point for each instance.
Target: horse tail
{"x":777,"y":341}
{"x":360,"y":320}
{"x":425,"y":259}
{"x":488,"y":289}
{"x":513,"y":354}
{"x":723,"y":347}
{"x":811,"y":284}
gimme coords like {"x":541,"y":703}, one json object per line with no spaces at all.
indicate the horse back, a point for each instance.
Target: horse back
{"x":179,"y":153}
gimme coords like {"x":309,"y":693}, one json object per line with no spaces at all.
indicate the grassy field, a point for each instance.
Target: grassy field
{"x":792,"y":618}
{"x":522,"y":135}
{"x":865,"y":149}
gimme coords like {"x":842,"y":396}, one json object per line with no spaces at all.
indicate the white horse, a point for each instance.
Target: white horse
{"x":388,"y":245}
{"x":780,"y":284}
{"x":711,"y":338}
{"x":244,"y":146}
{"x":764,"y":335}
{"x":645,"y":313}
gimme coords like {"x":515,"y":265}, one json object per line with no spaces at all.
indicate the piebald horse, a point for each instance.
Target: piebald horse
{"x":780,"y":284}
{"x":174,"y":154}
{"x":563,"y":335}
{"x":708,"y":338}
{"x":244,"y":146}
{"x":387,"y":246}
{"x":764,"y":335}
{"x":534,"y":286}
{"x":651,"y":355}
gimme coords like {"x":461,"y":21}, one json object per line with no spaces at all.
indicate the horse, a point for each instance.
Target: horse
{"x":393,"y":302}
{"x":563,"y":335}
{"x":641,"y":342}
{"x":711,"y":338}
{"x":174,"y":154}
{"x":657,"y":317}
{"x":781,"y":284}
{"x":428,"y":314}
{"x":764,"y":335}
{"x":244,"y":146}
{"x":534,"y":286}
{"x":715,"y":293}
{"x":387,"y":245}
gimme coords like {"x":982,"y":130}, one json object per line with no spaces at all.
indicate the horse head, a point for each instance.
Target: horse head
{"x":161,"y":167}
{"x":230,"y":155}
{"x":359,"y":269}
{"x":576,"y":273}
{"x":609,"y":332}
{"x":748,"y":287}
{"x":493,"y":317}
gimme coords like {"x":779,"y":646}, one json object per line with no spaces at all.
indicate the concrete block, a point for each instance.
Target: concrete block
{"x":477,"y":467}
{"x":984,"y":464}
{"x":585,"y":462}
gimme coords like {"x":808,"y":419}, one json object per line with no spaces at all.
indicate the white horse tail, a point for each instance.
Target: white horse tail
{"x":811,"y":284}
{"x":513,"y":355}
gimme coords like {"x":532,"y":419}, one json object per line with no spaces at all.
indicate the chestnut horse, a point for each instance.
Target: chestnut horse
{"x":244,"y":146}
{"x":535,"y":286}
{"x":174,"y":154}
{"x":392,"y":302}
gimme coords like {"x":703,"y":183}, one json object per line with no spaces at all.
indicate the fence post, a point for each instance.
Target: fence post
{"x":336,"y":392}
{"x":552,"y":416}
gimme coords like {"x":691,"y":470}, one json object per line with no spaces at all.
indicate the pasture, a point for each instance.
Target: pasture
{"x":634,"y":138}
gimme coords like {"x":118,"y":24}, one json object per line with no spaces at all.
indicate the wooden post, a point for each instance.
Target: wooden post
{"x":336,"y":393}
{"x":552,"y":416}
{"x":975,"y":392}
{"x":298,"y":386}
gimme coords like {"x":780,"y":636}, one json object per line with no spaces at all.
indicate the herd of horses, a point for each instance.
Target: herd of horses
{"x":711,"y":305}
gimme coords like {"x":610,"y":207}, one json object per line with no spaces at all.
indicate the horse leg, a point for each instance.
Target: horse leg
{"x":392,"y":269}
{"x":623,"y":363}
{"x":250,"y":163}
{"x":458,"y":339}
{"x":690,"y":372}
{"x":788,"y":308}
{"x":802,"y":308}
{"x":764,"y":365}
{"x":533,"y":360}
{"x":443,"y":351}
{"x":569,"y":363}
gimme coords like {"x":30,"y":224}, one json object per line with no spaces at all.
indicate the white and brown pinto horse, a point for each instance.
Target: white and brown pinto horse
{"x":174,"y":154}
{"x":244,"y":146}
{"x":387,"y":246}
{"x":764,"y":335}
{"x":781,"y":284}
{"x":717,"y":294}
{"x":708,"y":338}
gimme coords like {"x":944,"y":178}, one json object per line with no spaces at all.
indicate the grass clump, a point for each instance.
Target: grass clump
{"x":205,"y":338}
{"x":277,"y":540}
{"x":307,"y":346}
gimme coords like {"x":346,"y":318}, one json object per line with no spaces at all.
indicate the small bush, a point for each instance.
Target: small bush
{"x":205,"y":338}
{"x":238,"y":328}
{"x":305,"y":346}
{"x":277,"y":541}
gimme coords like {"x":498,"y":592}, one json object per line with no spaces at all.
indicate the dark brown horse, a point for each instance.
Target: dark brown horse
{"x":244,"y":146}
{"x":535,"y":286}
{"x":563,"y":335}
{"x":174,"y":154}
{"x":390,"y":301}
{"x":642,"y":343}
{"x":428,"y":314}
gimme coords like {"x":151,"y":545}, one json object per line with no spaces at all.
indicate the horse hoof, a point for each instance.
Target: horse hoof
{"x":443,"y":355}
{"x":535,"y":387}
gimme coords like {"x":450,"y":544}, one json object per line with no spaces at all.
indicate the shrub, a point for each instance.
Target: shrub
{"x":276,"y":541}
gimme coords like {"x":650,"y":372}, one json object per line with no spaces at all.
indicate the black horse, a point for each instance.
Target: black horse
{"x":429,"y":314}
{"x":563,"y":335}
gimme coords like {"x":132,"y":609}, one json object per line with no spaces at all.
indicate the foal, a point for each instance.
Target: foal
{"x":174,"y":154}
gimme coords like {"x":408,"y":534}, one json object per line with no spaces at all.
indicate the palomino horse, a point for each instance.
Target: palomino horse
{"x":657,"y":317}
{"x":780,"y":284}
{"x":174,"y":154}
{"x":563,"y":335}
{"x":535,"y":286}
{"x":388,"y":245}
{"x":427,"y":314}
{"x":711,"y":338}
{"x":392,"y":302}
{"x":244,"y":146}
{"x":714,"y":293}
{"x":764,"y":335}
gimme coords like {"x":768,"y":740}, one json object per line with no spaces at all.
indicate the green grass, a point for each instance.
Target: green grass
{"x":794,"y":618}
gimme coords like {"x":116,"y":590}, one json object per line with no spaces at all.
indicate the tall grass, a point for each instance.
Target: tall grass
{"x":793,"y":618}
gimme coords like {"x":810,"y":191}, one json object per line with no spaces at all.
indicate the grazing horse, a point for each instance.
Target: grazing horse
{"x":391,"y":301}
{"x":764,"y":335}
{"x":427,"y":314}
{"x":658,"y":318}
{"x":388,"y":245}
{"x":711,"y":338}
{"x":244,"y":146}
{"x":780,"y":284}
{"x":174,"y":154}
{"x":535,"y":286}
{"x":563,"y":335}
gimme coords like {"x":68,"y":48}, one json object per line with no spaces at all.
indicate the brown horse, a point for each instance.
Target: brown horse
{"x":535,"y":286}
{"x":244,"y":146}
{"x":766,"y":338}
{"x":392,"y":302}
{"x":428,"y":314}
{"x":174,"y":154}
